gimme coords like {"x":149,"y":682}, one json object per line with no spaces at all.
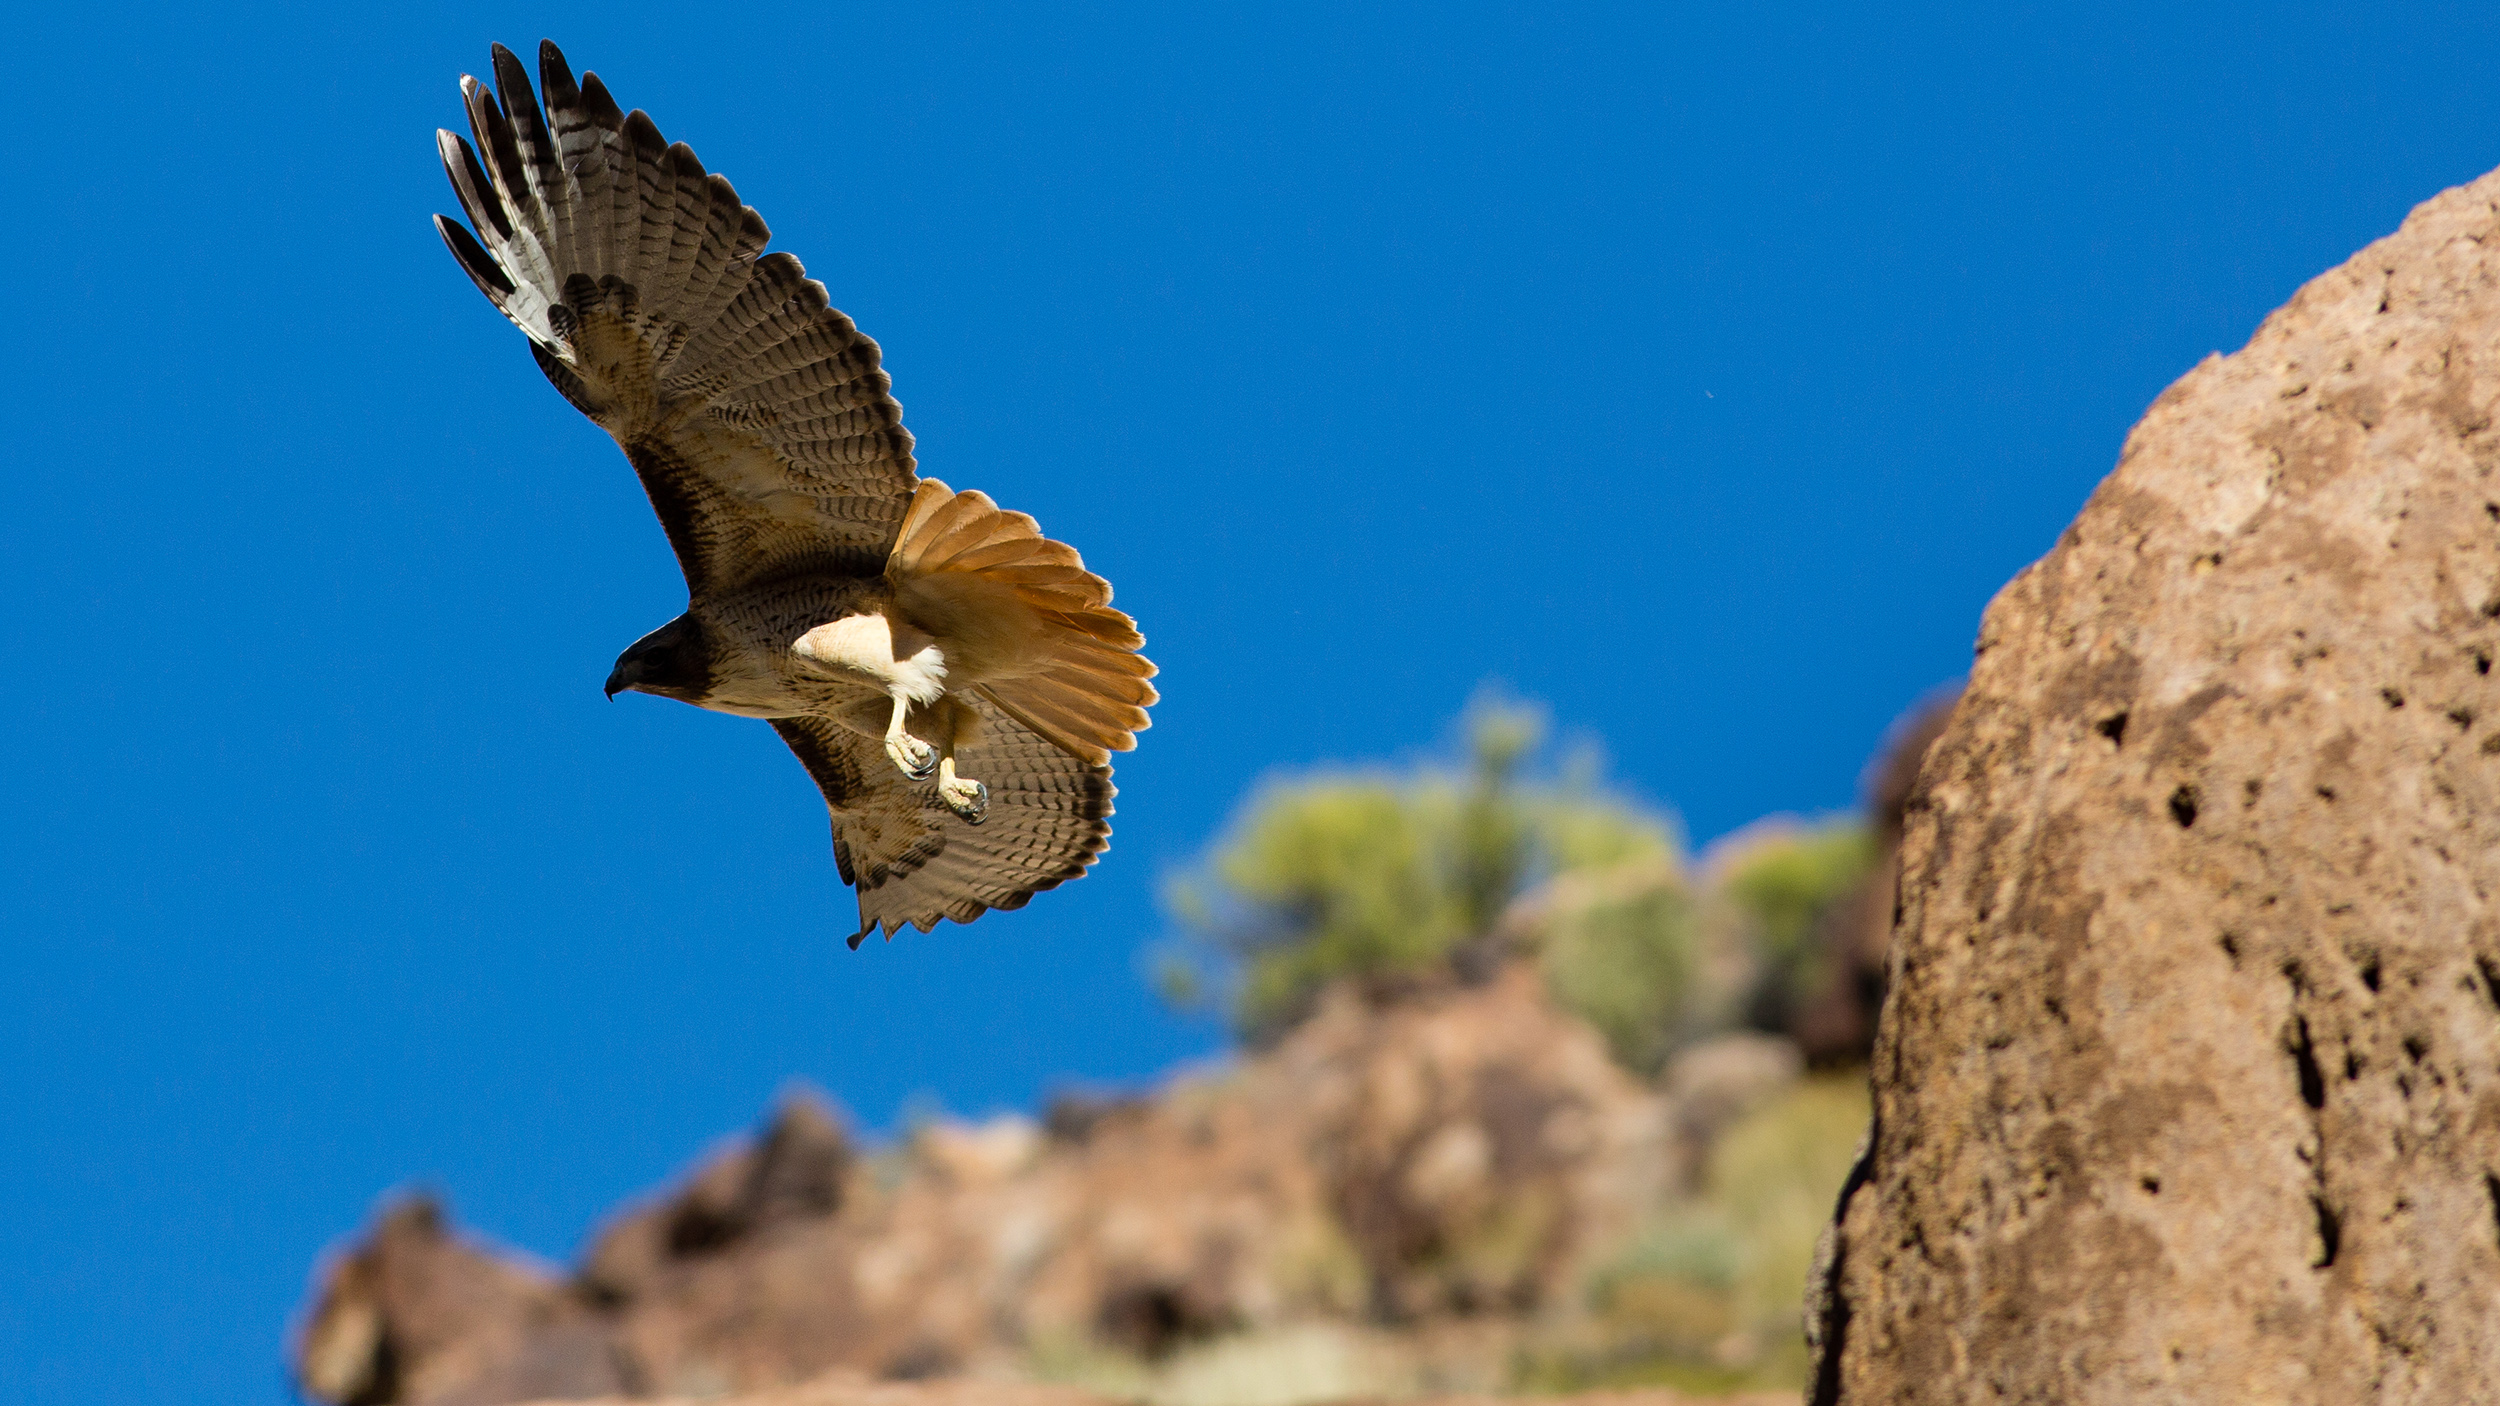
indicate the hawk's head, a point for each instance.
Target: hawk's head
{"x":673,"y":661}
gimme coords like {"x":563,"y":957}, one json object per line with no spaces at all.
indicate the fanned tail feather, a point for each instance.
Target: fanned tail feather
{"x":1089,"y":693}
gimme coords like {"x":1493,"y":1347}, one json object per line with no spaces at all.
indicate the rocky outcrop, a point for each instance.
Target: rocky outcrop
{"x":419,"y":1314}
{"x":1456,"y":1157}
{"x":2189,"y":1083}
{"x":845,"y":1390}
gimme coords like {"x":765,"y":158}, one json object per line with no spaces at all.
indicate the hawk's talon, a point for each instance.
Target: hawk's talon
{"x":966,"y":797}
{"x":917,"y":759}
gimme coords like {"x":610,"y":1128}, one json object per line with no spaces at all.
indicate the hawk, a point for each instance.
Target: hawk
{"x":954,"y":681}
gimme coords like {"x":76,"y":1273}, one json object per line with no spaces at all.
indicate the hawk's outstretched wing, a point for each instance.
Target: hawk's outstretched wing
{"x":754,"y":412}
{"x":913,"y":862}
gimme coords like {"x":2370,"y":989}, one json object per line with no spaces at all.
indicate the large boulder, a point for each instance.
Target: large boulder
{"x":2188,"y":1088}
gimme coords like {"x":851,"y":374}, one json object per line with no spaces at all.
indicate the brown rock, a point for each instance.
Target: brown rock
{"x":850,"y":1389}
{"x":2189,"y":1083}
{"x":794,"y":1174}
{"x":416,"y":1314}
{"x":1714,"y":1083}
{"x":841,"y":1389}
{"x":1456,"y":1157}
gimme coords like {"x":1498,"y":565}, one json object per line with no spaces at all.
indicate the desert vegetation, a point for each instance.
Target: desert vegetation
{"x":1386,"y":880}
{"x":1519,"y":1107}
{"x":1443,"y":869}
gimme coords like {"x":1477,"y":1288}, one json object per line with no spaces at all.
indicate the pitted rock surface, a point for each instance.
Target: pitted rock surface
{"x":2189,"y":1083}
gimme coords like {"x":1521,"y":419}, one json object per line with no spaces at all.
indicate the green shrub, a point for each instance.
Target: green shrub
{"x":1776,"y":882}
{"x":1711,"y":1290}
{"x":1775,"y":1174}
{"x":1623,"y":957}
{"x":1378,"y":874}
{"x":1333,"y":877}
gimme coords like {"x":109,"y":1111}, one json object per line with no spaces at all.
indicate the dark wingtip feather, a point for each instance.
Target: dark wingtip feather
{"x":493,"y":131}
{"x":556,"y":76}
{"x":482,"y":268}
{"x":519,"y":103}
{"x":645,"y":135}
{"x":500,"y":62}
{"x":602,"y":108}
{"x":470,"y":183}
{"x":482,"y":106}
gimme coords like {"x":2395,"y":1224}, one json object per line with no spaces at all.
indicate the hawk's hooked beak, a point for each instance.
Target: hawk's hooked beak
{"x":666,"y":663}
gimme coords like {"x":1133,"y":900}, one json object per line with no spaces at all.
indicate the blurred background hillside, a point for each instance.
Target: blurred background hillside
{"x":1700,"y":371}
{"x":1529,"y":1100}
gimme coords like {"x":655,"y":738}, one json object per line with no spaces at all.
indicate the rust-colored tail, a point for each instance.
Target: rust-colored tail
{"x":1089,"y":693}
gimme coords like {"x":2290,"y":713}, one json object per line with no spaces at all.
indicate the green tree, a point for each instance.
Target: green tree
{"x":1372,"y":875}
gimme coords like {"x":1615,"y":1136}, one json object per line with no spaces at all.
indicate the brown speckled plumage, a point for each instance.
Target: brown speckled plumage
{"x":763,"y":430}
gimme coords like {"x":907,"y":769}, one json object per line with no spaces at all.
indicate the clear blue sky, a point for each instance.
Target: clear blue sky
{"x":1701,"y":370}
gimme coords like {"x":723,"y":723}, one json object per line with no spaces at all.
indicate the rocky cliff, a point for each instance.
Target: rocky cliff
{"x":2188,"y":1089}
